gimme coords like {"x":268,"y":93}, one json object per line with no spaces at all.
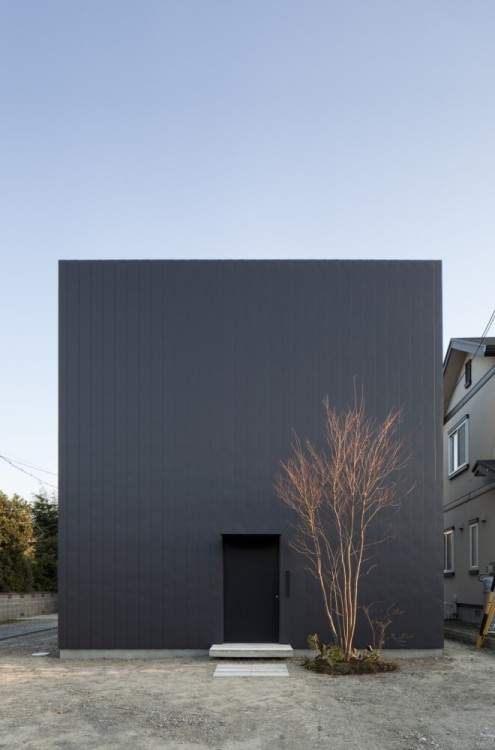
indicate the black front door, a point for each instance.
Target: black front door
{"x":251,"y":596}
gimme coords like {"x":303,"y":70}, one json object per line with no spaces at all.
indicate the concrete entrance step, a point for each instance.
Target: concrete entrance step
{"x":251,"y":651}
{"x":253,"y":669}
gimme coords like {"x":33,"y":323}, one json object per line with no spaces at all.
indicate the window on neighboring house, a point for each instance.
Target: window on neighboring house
{"x":473,"y":546}
{"x":448,"y":551}
{"x":468,"y":378}
{"x":458,"y":447}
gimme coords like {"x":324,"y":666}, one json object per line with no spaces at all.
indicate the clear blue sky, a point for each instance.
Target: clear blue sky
{"x":234,"y":129}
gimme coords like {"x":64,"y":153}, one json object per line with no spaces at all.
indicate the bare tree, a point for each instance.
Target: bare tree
{"x":337,"y":493}
{"x":380,"y":621}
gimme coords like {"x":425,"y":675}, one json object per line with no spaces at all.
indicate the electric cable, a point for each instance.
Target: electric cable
{"x":483,"y":336}
{"x":41,"y":481}
{"x":25,"y":463}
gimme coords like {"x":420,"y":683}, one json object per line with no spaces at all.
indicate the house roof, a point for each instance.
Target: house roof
{"x":481,"y":347}
{"x":484,"y":468}
{"x":456,"y":353}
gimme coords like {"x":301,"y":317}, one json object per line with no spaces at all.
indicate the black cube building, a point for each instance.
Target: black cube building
{"x":181,"y":386}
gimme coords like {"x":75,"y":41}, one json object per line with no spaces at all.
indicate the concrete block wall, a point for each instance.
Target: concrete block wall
{"x":27,"y":605}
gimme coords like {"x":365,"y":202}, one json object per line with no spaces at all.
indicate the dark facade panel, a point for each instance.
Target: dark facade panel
{"x":181,"y":383}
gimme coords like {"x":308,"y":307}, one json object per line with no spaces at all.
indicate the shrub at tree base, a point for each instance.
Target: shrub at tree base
{"x":332,"y":660}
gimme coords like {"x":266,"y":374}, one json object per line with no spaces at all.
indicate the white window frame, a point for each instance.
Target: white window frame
{"x":474,"y":550}
{"x":454,"y":442}
{"x":448,"y":541}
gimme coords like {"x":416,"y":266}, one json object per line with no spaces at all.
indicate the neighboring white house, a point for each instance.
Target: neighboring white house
{"x":469,"y":460}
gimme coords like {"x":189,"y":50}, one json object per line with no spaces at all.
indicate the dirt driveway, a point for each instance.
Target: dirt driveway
{"x":45,"y":703}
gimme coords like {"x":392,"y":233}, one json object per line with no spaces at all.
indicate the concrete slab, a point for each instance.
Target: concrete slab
{"x":467,"y":632}
{"x":251,"y":651}
{"x":251,"y":670}
{"x":34,"y":618}
{"x":129,"y":653}
{"x":26,"y":627}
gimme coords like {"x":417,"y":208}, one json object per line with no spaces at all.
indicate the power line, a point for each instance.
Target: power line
{"x":483,"y":336}
{"x":41,"y":481}
{"x":25,"y":463}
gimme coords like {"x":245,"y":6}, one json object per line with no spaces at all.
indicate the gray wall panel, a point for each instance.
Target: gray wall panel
{"x":95,"y":497}
{"x":144,"y":454}
{"x":119,"y":480}
{"x":131,"y":507}
{"x":168,"y":455}
{"x":65,"y":448}
{"x":83,"y":539}
{"x":181,"y":383}
{"x":156,"y":427}
{"x":109,"y":455}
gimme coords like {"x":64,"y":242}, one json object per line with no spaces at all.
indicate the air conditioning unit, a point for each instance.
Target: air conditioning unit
{"x":449,"y":611}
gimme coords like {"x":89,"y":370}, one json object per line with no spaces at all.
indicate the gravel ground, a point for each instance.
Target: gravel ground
{"x":45,"y":703}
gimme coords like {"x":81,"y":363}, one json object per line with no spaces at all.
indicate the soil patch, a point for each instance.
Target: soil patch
{"x":48,"y":704}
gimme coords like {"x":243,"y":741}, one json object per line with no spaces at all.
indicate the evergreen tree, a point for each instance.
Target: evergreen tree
{"x":45,"y":526}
